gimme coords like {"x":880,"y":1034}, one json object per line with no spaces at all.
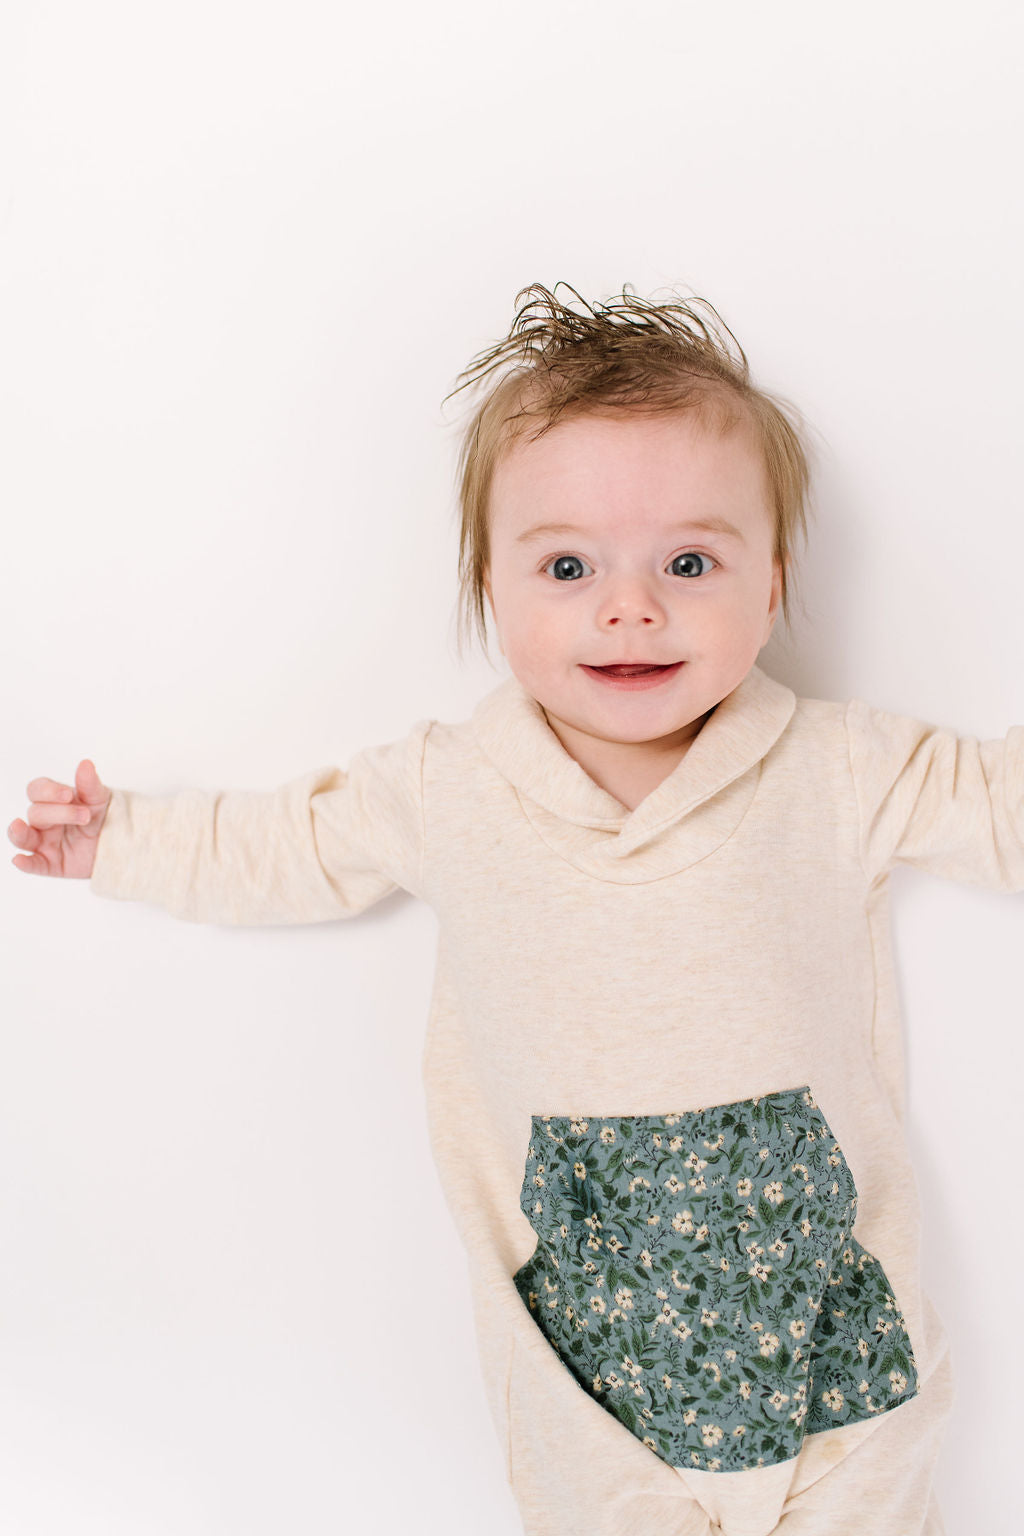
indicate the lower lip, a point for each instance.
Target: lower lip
{"x":634,"y":684}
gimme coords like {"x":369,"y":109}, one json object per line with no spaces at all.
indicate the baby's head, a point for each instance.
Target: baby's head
{"x":622,"y":430}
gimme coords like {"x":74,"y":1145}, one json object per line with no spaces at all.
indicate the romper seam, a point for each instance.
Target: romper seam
{"x":856,"y":796}
{"x":871,"y":887}
{"x":423,"y":802}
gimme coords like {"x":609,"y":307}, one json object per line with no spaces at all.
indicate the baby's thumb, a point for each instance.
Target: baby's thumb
{"x":87,"y":783}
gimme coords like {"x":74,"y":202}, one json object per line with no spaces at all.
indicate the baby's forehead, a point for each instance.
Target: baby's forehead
{"x":596,"y":449}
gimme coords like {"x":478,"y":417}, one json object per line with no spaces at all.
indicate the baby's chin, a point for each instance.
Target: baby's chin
{"x":659,"y":730}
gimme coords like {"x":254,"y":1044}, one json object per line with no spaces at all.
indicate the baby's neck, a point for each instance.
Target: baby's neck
{"x":626,"y":770}
{"x":631,"y":785}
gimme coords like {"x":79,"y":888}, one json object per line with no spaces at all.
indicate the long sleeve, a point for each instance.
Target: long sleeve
{"x":947,"y":804}
{"x":326,"y":845}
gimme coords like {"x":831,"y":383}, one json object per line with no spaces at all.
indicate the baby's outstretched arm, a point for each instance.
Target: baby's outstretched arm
{"x":951,"y":805}
{"x":62,"y":825}
{"x":327,"y":844}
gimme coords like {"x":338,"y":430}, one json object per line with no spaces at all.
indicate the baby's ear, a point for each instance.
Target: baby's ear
{"x":778,"y":567}
{"x":775,"y":601}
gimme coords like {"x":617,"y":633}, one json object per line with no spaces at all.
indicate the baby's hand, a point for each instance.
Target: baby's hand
{"x":62,"y":826}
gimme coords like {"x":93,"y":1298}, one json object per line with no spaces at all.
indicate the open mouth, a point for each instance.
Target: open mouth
{"x":633,"y":669}
{"x":634,"y":675}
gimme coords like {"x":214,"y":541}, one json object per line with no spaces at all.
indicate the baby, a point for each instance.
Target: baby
{"x":663,"y":1067}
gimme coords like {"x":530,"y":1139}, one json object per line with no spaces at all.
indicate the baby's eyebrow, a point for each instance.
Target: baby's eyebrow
{"x":702,"y":525}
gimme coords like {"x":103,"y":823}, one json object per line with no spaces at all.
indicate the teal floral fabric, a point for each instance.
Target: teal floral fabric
{"x":698,"y":1275}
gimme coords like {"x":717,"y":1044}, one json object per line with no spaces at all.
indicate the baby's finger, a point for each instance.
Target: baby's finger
{"x":49,"y":789}
{"x":24,"y":837}
{"x":47,"y":814}
{"x":31,"y":863}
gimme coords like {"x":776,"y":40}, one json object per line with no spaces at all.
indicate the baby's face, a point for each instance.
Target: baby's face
{"x":632,"y":576}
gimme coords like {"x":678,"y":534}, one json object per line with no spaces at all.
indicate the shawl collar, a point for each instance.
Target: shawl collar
{"x":590,"y":827}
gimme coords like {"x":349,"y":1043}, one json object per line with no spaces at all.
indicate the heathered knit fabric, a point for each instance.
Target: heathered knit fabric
{"x":729,"y":937}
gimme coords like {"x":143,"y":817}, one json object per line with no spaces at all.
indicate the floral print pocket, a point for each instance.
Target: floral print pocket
{"x":698,"y":1275}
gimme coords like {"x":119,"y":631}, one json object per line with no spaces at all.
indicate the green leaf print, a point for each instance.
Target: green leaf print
{"x":637,"y":1342}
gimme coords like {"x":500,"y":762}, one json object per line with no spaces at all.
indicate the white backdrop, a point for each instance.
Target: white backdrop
{"x":245,"y":251}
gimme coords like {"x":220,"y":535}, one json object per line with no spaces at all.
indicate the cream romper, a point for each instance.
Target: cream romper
{"x":664,"y":1078}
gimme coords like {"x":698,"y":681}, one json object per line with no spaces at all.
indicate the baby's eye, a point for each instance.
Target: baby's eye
{"x":563,"y":561}
{"x":688,"y":557}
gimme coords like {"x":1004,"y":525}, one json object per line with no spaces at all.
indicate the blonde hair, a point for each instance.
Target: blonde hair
{"x":628,"y":354}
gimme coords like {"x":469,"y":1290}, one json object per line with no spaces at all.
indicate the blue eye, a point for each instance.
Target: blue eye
{"x":563,"y":560}
{"x":560,"y":562}
{"x":692,"y":554}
